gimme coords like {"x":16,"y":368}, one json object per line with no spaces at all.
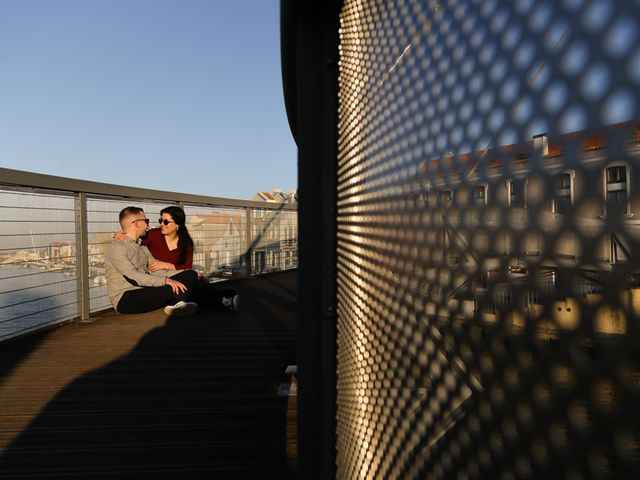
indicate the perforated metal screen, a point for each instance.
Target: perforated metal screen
{"x":488,"y":239}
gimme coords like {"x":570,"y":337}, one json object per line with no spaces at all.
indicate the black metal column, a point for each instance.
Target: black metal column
{"x":310,"y":81}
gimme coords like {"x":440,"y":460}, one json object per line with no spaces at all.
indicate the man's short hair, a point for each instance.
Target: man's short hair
{"x":126,"y":212}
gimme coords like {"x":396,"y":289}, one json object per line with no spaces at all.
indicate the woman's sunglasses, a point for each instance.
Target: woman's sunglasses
{"x":164,"y":222}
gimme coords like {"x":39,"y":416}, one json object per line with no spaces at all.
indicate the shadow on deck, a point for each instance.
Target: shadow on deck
{"x":143,"y":395}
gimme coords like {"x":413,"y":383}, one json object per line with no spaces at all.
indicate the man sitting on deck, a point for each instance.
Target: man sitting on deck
{"x":132,"y":287}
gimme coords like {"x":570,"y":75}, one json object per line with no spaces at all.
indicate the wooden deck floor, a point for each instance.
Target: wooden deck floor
{"x":143,"y":395}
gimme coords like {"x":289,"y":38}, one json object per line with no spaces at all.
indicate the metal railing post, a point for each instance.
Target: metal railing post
{"x":248,"y":255}
{"x":82,"y":242}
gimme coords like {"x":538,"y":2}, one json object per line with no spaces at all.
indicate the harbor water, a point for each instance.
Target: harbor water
{"x":33,"y":296}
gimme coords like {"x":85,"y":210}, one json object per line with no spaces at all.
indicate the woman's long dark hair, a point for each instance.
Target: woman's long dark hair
{"x":184,"y":239}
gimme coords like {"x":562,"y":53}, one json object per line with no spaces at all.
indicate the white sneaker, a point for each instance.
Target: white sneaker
{"x":181,"y":308}
{"x":232,"y":303}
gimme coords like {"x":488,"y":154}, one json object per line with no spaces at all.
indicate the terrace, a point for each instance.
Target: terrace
{"x":106,"y":395}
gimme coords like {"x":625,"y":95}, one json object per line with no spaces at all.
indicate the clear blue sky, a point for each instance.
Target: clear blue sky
{"x":178,"y":95}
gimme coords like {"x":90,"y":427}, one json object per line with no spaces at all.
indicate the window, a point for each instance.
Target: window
{"x":517,"y":193}
{"x":617,"y":189}
{"x":562,"y":194}
{"x":445,"y":197}
{"x":479,"y":193}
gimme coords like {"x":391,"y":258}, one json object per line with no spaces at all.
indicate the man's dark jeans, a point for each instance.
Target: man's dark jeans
{"x":146,"y":299}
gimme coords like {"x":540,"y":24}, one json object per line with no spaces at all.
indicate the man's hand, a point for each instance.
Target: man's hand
{"x":175,"y":285}
{"x":158,"y":265}
{"x":119,"y":236}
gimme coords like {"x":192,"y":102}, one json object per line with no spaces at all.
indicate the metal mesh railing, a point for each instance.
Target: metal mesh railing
{"x":488,"y":239}
{"x":274,"y":240}
{"x":220,"y":240}
{"x":38,"y":260}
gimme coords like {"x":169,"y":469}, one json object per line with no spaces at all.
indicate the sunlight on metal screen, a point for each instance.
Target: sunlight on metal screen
{"x":488,"y":239}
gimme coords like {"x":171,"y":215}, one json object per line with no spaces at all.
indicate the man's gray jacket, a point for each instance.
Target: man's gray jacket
{"x":127,"y":268}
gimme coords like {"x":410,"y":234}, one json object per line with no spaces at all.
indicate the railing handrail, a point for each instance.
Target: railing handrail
{"x":10,"y":177}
